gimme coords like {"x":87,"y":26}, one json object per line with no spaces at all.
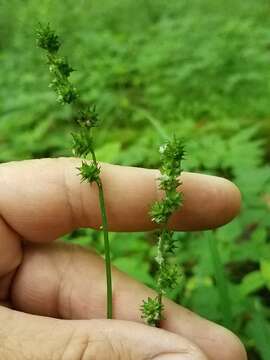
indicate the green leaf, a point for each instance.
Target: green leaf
{"x":259,"y":331}
{"x":251,"y":283}
{"x":265,"y":272}
{"x":221,"y":280}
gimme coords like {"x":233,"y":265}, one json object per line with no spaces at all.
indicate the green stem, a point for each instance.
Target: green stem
{"x":107,"y":250}
{"x":161,"y":264}
{"x":221,"y":281}
{"x":106,"y":243}
{"x":154,"y":122}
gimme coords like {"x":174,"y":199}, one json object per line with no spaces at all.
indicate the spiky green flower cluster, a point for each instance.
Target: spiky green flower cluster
{"x":89,"y":172}
{"x":172,"y":154}
{"x":47,"y":39}
{"x":58,"y":66}
{"x":86,"y":117}
{"x":151,"y":310}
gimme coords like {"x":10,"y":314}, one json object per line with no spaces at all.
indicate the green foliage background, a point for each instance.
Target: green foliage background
{"x":198,"y":69}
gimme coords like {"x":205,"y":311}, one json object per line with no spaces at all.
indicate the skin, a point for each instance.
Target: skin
{"x":53,"y":294}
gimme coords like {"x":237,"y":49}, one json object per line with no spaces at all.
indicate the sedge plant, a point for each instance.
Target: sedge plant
{"x":86,"y":120}
{"x":172,"y":154}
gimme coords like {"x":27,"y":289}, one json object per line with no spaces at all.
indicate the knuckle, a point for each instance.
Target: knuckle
{"x":70,"y":198}
{"x":83,"y":345}
{"x":193,"y":352}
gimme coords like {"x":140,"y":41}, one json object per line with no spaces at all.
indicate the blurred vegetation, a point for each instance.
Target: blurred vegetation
{"x":198,"y":69}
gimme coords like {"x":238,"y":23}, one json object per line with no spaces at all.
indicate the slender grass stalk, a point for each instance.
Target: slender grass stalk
{"x":83,"y":143}
{"x":221,"y":281}
{"x":107,"y":249}
{"x":172,"y":154}
{"x":154,"y":122}
{"x":260,"y":331}
{"x":151,"y":309}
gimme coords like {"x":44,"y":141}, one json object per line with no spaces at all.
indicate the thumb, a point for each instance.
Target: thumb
{"x":24,"y":336}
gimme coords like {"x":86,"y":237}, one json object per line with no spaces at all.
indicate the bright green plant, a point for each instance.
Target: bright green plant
{"x":172,"y":154}
{"x":83,"y":144}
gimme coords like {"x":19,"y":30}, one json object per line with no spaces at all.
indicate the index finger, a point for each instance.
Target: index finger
{"x":44,"y":199}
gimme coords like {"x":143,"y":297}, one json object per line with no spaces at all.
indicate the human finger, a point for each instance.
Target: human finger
{"x":25,"y":336}
{"x":68,"y":282}
{"x":44,"y":199}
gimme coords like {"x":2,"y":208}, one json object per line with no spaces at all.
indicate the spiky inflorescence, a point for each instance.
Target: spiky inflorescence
{"x":172,"y":154}
{"x":151,"y":310}
{"x":66,"y":92}
{"x":85,"y":120}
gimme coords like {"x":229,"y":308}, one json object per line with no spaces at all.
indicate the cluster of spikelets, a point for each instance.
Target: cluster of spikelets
{"x":172,"y":154}
{"x":86,"y":117}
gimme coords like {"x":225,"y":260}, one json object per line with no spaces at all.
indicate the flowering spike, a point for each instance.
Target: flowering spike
{"x":85,"y":120}
{"x":151,"y":310}
{"x":172,"y":154}
{"x":88,"y":117}
{"x":89,"y":172}
{"x":47,"y":39}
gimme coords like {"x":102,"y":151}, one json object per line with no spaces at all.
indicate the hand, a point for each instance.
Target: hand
{"x":49,"y":288}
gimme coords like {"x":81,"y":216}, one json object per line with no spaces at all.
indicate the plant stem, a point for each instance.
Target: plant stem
{"x":106,"y":242}
{"x":161,"y":263}
{"x":172,"y":153}
{"x":107,"y":250}
{"x":154,"y":122}
{"x":221,"y":281}
{"x":86,"y":119}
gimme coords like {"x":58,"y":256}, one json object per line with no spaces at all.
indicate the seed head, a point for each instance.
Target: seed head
{"x":47,"y":39}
